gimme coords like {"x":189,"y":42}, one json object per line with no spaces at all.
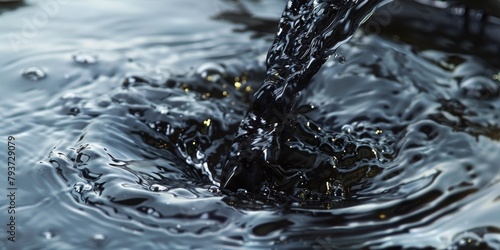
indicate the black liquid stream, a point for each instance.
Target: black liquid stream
{"x":309,"y":33}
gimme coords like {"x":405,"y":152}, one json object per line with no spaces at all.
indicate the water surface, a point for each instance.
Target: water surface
{"x":124,"y":114}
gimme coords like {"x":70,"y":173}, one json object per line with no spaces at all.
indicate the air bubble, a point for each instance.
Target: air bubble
{"x":84,"y":58}
{"x":34,"y":73}
{"x":151,"y":211}
{"x":48,"y":235}
{"x":347,"y":129}
{"x":469,"y":240}
{"x":265,"y":191}
{"x":340,"y":58}
{"x":157,"y":188}
{"x":99,"y":237}
{"x":73,"y":111}
{"x":214,"y":190}
{"x":211,"y":71}
{"x":242,"y":191}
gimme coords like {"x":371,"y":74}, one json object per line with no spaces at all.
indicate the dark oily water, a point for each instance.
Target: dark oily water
{"x":123,"y":127}
{"x":309,"y":31}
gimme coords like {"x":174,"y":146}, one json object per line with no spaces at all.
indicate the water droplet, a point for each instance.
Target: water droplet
{"x":214,"y":189}
{"x":211,"y":71}
{"x":162,"y":109}
{"x":73,"y":111}
{"x":469,"y":240}
{"x":157,"y":188}
{"x":242,"y":191}
{"x":48,"y":235}
{"x":34,"y":73}
{"x":99,"y":237}
{"x":85,"y":58}
{"x":347,"y":129}
{"x":80,"y":187}
{"x":153,"y":212}
{"x":340,"y":58}
{"x":265,"y":191}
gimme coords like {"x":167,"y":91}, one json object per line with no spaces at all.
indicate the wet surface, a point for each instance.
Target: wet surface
{"x":124,"y":115}
{"x":308,"y":34}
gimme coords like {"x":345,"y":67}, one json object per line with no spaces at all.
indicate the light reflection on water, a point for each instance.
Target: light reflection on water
{"x":115,"y":151}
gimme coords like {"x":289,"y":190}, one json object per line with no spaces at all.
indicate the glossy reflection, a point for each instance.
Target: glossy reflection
{"x":127,"y":152}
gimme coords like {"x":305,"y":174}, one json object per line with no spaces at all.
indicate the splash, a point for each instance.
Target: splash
{"x":309,"y":33}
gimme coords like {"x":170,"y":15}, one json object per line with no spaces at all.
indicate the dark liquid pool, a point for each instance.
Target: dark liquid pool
{"x":124,"y":114}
